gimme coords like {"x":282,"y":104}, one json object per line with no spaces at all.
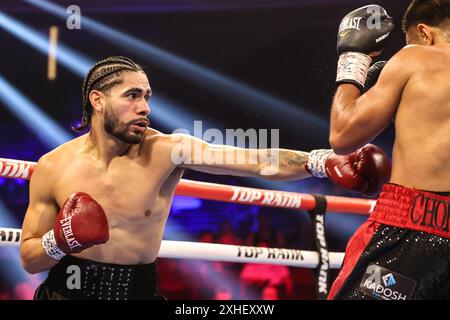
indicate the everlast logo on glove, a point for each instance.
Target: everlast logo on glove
{"x":430,"y":212}
{"x":372,"y":18}
{"x":350,"y":23}
{"x":71,"y":232}
{"x":66,"y":227}
{"x":363,"y":33}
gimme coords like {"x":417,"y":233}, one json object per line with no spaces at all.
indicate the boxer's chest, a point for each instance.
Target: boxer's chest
{"x":127,"y":190}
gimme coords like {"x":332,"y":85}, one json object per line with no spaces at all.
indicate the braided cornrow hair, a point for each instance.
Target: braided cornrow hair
{"x":104,"y":75}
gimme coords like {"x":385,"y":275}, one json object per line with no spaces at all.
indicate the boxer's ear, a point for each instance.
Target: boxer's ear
{"x":426,"y":34}
{"x":96,"y":98}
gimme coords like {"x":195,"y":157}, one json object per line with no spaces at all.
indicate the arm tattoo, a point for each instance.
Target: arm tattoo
{"x":293,"y":158}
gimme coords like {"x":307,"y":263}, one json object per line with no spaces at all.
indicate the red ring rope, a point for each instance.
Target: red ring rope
{"x":18,"y":169}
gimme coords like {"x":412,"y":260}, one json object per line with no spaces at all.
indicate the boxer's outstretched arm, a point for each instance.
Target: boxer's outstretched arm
{"x":365,"y":170}
{"x":274,"y":164}
{"x":357,"y":119}
{"x":40,"y":218}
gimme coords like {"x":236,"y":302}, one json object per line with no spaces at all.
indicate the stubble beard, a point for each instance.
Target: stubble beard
{"x":120,"y":131}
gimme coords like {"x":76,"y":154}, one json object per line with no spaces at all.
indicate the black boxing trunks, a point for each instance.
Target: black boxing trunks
{"x":402,"y":252}
{"x":73,"y":278}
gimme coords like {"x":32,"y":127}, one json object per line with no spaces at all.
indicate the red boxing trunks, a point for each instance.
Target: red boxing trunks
{"x":402,"y":252}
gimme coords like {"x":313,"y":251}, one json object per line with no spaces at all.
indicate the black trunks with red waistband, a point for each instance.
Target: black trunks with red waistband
{"x":402,"y":251}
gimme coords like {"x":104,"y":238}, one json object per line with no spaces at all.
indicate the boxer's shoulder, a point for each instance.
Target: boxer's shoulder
{"x":418,"y":54}
{"x":46,"y":167}
{"x":71,"y":146}
{"x":55,"y":156}
{"x":151,"y":136}
{"x":407,"y":55}
{"x":157,"y":144}
{"x":59,"y":156}
{"x":409,"y":61}
{"x":422,"y":61}
{"x":156,"y":139}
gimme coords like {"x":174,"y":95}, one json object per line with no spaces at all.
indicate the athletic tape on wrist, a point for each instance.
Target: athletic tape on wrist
{"x":316,"y":162}
{"x":353,"y":66}
{"x":51,"y":248}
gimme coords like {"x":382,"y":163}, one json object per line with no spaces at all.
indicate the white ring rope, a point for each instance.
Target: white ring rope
{"x":219,"y":252}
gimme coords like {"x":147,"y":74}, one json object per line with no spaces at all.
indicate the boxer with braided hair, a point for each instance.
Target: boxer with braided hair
{"x":100,"y":202}
{"x":102,"y":77}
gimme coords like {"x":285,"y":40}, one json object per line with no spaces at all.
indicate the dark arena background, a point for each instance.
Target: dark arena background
{"x":228,"y":63}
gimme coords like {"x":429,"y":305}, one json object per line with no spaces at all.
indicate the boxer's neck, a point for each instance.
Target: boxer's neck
{"x":103,"y":147}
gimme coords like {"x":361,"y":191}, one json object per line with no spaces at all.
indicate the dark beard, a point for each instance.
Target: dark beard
{"x":119,"y":130}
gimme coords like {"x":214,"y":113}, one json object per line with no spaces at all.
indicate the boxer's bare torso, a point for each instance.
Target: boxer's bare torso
{"x":135,"y":190}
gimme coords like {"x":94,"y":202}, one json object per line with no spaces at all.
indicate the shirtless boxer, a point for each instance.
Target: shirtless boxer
{"x":100,"y":202}
{"x":403,"y":250}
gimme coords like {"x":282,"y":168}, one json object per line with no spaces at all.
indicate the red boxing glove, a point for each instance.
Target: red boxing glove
{"x":80,"y":224}
{"x":364,"y":171}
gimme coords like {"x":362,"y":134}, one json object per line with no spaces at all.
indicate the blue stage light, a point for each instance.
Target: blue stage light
{"x":185,"y":203}
{"x":229,"y":88}
{"x":72,"y":60}
{"x":47,"y":130}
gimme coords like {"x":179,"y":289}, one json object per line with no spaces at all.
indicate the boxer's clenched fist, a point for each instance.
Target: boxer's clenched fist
{"x":363,"y":33}
{"x":80,"y":224}
{"x":363,"y":171}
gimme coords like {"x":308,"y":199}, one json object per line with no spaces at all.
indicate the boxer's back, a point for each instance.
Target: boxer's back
{"x":421,"y":155}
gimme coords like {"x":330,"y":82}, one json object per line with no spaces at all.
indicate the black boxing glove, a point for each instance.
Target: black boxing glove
{"x":362,"y":33}
{"x":373,"y":75}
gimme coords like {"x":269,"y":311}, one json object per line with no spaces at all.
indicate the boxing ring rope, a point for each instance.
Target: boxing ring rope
{"x":218,"y":252}
{"x":17,"y":169}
